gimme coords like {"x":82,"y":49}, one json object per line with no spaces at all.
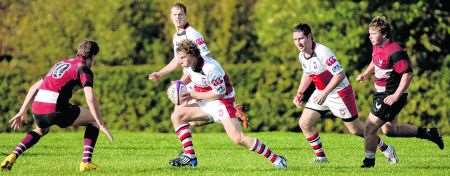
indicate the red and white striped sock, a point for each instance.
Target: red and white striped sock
{"x":184,"y":133}
{"x":316,"y":145}
{"x":260,"y":148}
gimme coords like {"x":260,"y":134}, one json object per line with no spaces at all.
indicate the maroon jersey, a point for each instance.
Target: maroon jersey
{"x":390,"y":63}
{"x":57,"y":86}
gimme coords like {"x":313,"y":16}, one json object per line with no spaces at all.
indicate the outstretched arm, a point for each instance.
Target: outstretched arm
{"x":21,"y":116}
{"x":365,"y":75}
{"x":173,"y":65}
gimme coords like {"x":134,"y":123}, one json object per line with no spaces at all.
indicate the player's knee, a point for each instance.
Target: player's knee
{"x":389,"y":132}
{"x":369,"y":129}
{"x":305,"y":126}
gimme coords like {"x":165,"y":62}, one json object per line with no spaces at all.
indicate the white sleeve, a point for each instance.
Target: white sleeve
{"x":216,"y":81}
{"x":329,"y":60}
{"x":198,"y":39}
{"x":174,"y":46}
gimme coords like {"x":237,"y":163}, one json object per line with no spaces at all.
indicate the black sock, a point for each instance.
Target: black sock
{"x":422,"y":133}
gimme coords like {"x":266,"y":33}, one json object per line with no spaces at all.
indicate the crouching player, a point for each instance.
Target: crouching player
{"x":215,"y":99}
{"x":333,"y":93}
{"x":50,"y":105}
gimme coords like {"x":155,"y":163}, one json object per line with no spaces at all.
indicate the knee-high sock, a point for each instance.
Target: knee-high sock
{"x":90,"y":139}
{"x":260,"y":148}
{"x":184,"y":133}
{"x":27,"y":142}
{"x":316,"y":145}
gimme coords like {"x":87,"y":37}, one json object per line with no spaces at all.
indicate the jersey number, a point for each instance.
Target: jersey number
{"x":59,"y":70}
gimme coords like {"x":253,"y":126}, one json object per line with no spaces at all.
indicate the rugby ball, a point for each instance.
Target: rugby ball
{"x":175,"y":91}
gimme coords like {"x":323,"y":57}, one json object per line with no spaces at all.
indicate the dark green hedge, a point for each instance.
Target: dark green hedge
{"x":130,"y":102}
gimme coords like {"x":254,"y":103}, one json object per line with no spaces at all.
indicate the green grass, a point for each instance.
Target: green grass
{"x":148,"y":153}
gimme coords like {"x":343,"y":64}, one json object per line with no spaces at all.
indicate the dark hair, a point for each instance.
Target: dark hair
{"x":304,"y":28}
{"x":382,"y":24}
{"x":181,"y":6}
{"x":88,"y":49}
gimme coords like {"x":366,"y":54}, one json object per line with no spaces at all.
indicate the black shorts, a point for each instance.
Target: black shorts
{"x":384,"y":111}
{"x":63,"y":118}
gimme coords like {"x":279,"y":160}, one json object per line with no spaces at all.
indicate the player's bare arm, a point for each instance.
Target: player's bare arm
{"x":21,"y":116}
{"x":173,"y":65}
{"x":402,"y":87}
{"x":94,"y":108}
{"x":335,"y":80}
{"x":366,"y":74}
{"x":304,"y":84}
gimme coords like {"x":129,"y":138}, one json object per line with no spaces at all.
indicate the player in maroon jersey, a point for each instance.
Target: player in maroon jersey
{"x":49,"y":98}
{"x":392,"y":70}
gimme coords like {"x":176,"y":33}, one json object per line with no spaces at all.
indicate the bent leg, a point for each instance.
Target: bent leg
{"x":233,"y":129}
{"x":307,"y":122}
{"x":393,"y":129}
{"x":355,"y":127}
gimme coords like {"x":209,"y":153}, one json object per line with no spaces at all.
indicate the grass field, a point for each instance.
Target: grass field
{"x":148,"y":153}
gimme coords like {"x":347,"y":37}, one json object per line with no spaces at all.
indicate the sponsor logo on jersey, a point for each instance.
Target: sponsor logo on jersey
{"x":59,"y":70}
{"x":330,"y":61}
{"x":200,"y":41}
{"x":336,"y":68}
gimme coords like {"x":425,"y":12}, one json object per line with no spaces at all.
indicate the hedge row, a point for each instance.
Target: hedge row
{"x":130,"y":102}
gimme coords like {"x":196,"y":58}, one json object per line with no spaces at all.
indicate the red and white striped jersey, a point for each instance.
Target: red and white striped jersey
{"x":57,"y":86}
{"x":390,"y":61}
{"x":321,"y":67}
{"x":211,"y":77}
{"x":193,"y":35}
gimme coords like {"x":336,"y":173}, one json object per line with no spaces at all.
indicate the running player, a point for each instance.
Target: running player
{"x":393,"y":73}
{"x":184,"y":31}
{"x":333,"y":93}
{"x":215,"y":100}
{"x":50,"y":97}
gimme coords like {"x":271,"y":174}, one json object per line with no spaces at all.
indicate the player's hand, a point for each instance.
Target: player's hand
{"x":298,"y":100}
{"x":106,"y":132}
{"x":155,"y":76}
{"x":320,"y":98}
{"x":391,"y":99}
{"x":185,"y":97}
{"x":18,"y":120}
{"x":361,"y":77}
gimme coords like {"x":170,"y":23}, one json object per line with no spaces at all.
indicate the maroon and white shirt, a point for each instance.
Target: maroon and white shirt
{"x":57,"y":86}
{"x":211,"y":77}
{"x":193,"y":35}
{"x":321,"y":67}
{"x":390,"y":61}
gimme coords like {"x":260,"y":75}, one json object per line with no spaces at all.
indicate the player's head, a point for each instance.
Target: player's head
{"x":189,"y":54}
{"x":88,"y":49}
{"x":178,"y":14}
{"x":302,"y":36}
{"x":379,"y":30}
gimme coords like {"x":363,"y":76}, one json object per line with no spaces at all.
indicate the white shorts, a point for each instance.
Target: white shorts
{"x":342,"y":104}
{"x":218,"y":109}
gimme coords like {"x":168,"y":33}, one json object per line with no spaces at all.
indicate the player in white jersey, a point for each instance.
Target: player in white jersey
{"x":215,"y":100}
{"x":333,"y":91}
{"x":184,"y":31}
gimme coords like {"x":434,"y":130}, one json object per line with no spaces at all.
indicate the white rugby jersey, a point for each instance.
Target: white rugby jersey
{"x":322,"y":66}
{"x":211,"y":77}
{"x":193,"y":35}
